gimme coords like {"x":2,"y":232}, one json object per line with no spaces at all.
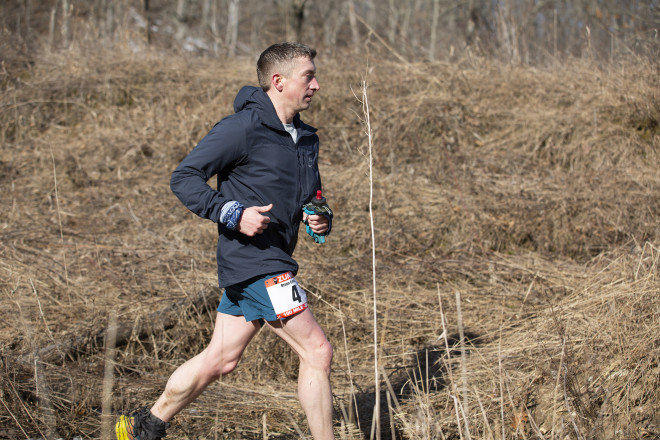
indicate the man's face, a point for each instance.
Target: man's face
{"x":300,"y":85}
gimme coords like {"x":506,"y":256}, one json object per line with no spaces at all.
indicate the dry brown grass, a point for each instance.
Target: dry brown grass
{"x":532,"y":193}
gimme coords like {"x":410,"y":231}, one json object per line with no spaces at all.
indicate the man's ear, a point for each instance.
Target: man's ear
{"x":277,"y":81}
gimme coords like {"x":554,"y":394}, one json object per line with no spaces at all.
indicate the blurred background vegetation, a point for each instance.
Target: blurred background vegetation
{"x":516,"y":171}
{"x":518,"y":31}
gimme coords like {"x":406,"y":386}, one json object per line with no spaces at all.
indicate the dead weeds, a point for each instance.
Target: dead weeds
{"x":532,"y":193}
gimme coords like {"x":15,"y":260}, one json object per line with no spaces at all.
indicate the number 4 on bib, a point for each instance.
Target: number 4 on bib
{"x":295,"y":295}
{"x":287,"y":297}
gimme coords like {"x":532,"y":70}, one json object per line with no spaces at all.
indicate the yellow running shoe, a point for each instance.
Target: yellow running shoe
{"x":124,"y":428}
{"x":141,"y":425}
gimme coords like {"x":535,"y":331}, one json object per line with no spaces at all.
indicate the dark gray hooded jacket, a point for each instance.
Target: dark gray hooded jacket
{"x":256,"y":163}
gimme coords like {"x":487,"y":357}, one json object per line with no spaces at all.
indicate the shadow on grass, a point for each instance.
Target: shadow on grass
{"x":426,"y":372}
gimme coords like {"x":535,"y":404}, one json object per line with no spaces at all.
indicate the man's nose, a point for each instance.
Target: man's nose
{"x":314,"y":84}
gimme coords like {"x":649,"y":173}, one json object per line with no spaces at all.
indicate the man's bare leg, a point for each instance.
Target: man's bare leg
{"x":307,"y":339}
{"x":231,"y":335}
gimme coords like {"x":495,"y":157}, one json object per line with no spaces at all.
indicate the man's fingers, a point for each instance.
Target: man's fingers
{"x":253,"y":221}
{"x":317,"y":219}
{"x":264,"y":208}
{"x":265,"y":219}
{"x":318,"y":223}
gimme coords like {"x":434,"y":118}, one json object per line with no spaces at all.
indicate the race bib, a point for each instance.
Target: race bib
{"x":286,"y":295}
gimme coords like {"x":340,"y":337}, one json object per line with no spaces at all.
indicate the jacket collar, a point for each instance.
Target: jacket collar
{"x":255,"y":98}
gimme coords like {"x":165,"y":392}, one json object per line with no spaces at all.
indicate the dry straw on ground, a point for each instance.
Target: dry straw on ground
{"x":529,"y":194}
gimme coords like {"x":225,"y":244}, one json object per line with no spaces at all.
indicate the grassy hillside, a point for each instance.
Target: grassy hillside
{"x":516,"y":229}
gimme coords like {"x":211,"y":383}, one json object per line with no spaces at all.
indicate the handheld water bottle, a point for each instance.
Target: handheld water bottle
{"x":318,"y":206}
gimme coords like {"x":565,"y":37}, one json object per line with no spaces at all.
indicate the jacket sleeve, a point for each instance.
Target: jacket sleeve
{"x":216,"y":153}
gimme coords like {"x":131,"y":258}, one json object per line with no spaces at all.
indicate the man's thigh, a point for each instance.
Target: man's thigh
{"x":231,"y":335}
{"x":301,"y":332}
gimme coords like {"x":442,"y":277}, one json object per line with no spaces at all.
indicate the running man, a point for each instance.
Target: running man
{"x":266,"y":162}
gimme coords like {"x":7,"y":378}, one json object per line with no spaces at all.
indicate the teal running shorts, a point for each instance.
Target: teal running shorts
{"x":270,"y":297}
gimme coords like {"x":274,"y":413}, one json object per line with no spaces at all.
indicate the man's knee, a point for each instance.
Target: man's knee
{"x":321,"y":356}
{"x":212,"y":371}
{"x":228,"y":367}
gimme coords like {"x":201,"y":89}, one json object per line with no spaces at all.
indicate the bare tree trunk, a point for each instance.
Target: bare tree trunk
{"x":392,"y":21}
{"x":340,"y":18}
{"x":180,"y":9}
{"x":554,"y":35}
{"x":450,"y":18}
{"x":332,"y":14}
{"x":113,"y":15}
{"x":295,"y":14}
{"x":371,"y":13}
{"x":51,"y":26}
{"x":100,"y":17}
{"x":355,"y":33}
{"x":215,"y":29}
{"x":108,"y":12}
{"x":180,"y":18}
{"x":434,"y":29}
{"x":508,"y":32}
{"x":27,"y":6}
{"x":147,"y":16}
{"x":256,"y":25}
{"x":405,"y":24}
{"x":66,"y":23}
{"x":121,"y":15}
{"x":231,"y":37}
{"x":471,"y":23}
{"x":206,"y":13}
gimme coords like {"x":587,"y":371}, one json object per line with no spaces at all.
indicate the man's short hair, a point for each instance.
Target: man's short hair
{"x":278,"y":58}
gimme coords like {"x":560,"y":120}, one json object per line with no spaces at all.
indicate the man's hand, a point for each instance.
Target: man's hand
{"x":252,"y":221}
{"x":318,"y":223}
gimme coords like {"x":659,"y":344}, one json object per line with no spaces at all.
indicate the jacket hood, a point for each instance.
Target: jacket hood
{"x":250,"y":97}
{"x":254,"y":98}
